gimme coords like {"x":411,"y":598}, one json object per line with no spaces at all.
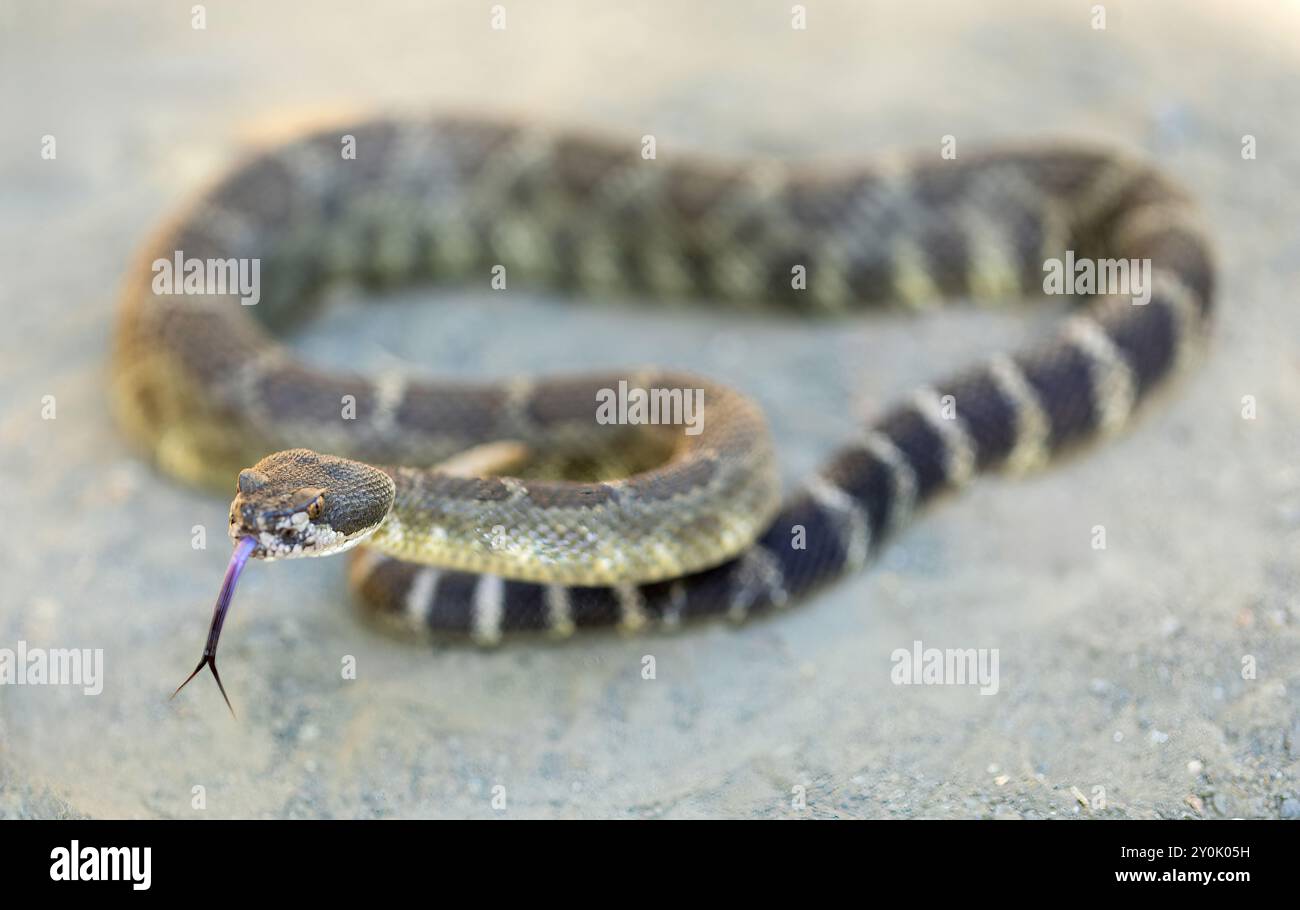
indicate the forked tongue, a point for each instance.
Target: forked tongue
{"x":243,"y":550}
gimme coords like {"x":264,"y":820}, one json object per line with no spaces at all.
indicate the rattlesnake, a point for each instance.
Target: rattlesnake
{"x":618,"y":525}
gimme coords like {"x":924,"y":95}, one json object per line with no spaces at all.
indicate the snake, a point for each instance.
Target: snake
{"x":489,"y":509}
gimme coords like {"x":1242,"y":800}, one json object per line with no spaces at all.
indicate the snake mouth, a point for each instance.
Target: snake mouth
{"x":288,"y":539}
{"x":283,"y":534}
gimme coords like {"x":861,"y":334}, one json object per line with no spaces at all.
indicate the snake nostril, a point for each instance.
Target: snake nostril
{"x":250,"y":481}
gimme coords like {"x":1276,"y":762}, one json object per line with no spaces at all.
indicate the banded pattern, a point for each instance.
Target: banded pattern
{"x":208,"y":391}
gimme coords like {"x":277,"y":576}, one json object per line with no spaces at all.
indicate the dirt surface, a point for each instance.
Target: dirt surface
{"x":1121,"y":670}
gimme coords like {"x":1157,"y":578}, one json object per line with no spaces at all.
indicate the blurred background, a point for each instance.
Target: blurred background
{"x":1122,"y":691}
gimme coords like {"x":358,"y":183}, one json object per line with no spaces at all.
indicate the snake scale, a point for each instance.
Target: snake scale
{"x":619,"y":525}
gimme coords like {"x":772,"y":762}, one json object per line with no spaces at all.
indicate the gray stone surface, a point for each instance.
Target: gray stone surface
{"x":1121,"y":685}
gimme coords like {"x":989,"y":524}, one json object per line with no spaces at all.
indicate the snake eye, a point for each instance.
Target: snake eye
{"x":315,"y":499}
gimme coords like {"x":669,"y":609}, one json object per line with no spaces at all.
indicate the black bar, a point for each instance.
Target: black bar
{"x":237,"y":858}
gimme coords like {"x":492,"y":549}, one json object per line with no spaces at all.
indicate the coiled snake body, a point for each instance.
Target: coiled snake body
{"x":615,"y":524}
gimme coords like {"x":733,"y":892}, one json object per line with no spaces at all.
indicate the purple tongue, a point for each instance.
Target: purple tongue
{"x":243,"y":549}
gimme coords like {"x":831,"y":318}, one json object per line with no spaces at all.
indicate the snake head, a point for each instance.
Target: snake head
{"x":301,"y":503}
